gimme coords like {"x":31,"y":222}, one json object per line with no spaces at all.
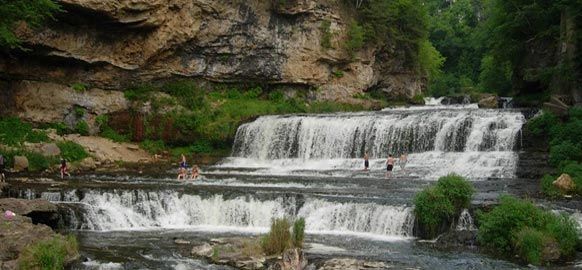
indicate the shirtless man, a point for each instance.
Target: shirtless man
{"x":389,"y":165}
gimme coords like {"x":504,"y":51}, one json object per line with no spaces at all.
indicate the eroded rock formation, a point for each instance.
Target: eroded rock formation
{"x":111,"y":44}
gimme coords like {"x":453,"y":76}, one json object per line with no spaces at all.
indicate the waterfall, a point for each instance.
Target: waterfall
{"x":465,"y":222}
{"x":131,"y":210}
{"x":445,"y":139}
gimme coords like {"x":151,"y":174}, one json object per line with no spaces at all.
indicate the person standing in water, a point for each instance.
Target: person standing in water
{"x":64,"y":168}
{"x":366,"y":162}
{"x":403,"y":160}
{"x":182,"y":170}
{"x":195,"y":172}
{"x":2,"y":176}
{"x":389,"y":165}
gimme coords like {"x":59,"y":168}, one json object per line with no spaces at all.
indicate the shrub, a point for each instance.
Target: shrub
{"x":14,"y":132}
{"x":530,"y":245}
{"x":338,"y":74}
{"x":564,"y":152}
{"x":500,"y":229}
{"x":253,"y":93}
{"x":79,"y":112}
{"x":431,"y":207}
{"x":201,"y":146}
{"x":457,"y":190}
{"x":497,"y":227}
{"x":563,"y":229}
{"x":111,"y":134}
{"x":102,"y":120}
{"x":49,"y":254}
{"x":38,"y":162}
{"x":298,"y":232}
{"x":138,"y":93}
{"x":79,"y":87}
{"x":355,"y":39}
{"x":276,"y":95}
{"x":542,"y":124}
{"x":72,"y":151}
{"x":279,"y":237}
{"x":548,"y":188}
{"x":82,"y":128}
{"x":569,"y":131}
{"x":153,"y":147}
{"x":418,"y":99}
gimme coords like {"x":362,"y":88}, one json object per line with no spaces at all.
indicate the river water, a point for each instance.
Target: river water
{"x":306,"y":166}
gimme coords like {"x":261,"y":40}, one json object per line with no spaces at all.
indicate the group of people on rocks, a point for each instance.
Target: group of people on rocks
{"x":390,"y":162}
{"x":183,"y":170}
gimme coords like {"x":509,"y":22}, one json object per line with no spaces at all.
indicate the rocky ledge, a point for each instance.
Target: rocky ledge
{"x":29,"y":226}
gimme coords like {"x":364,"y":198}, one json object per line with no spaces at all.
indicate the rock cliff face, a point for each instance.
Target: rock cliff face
{"x":111,"y":44}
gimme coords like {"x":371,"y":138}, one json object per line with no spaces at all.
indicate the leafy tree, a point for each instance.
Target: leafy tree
{"x":33,"y":12}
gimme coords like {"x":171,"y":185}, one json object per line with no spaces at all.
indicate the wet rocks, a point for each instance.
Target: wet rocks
{"x":457,"y":239}
{"x":293,"y":259}
{"x":352,"y":264}
{"x":490,"y":102}
{"x":239,"y":252}
{"x":20,"y":163}
{"x":27,"y":227}
{"x":565,"y":183}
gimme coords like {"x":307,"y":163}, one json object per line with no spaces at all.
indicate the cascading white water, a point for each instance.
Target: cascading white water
{"x":338,"y":141}
{"x":465,"y":222}
{"x":130,"y":210}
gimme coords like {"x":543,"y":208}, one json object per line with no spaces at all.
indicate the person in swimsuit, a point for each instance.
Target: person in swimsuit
{"x":195,"y":172}
{"x":403,"y":160}
{"x":389,"y":165}
{"x":64,"y":169}
{"x":182,"y":170}
{"x":366,"y":162}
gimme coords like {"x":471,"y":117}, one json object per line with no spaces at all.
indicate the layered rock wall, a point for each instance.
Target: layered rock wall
{"x":112,"y":44}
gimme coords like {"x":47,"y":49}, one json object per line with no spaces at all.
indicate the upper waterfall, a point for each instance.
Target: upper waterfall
{"x":349,"y":135}
{"x":476,"y":143}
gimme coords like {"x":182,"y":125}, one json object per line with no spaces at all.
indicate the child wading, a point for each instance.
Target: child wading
{"x":389,"y":165}
{"x":64,"y":168}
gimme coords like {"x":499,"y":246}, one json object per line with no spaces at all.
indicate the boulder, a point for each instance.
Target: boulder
{"x":565,"y":183}
{"x":204,"y":250}
{"x":293,"y":259}
{"x":490,"y":102}
{"x":551,"y":251}
{"x":352,"y":264}
{"x":87,"y":163}
{"x":50,"y":150}
{"x":20,"y":163}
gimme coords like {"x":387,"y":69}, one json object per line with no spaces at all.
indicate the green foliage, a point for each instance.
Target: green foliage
{"x":326,"y":35}
{"x":431,"y":207}
{"x":109,"y":133}
{"x":495,"y":77}
{"x":548,"y":188}
{"x":50,"y":254}
{"x":355,"y":40}
{"x":276,"y":95}
{"x":505,"y":229}
{"x":402,"y":23}
{"x":153,"y":147}
{"x":80,"y":87}
{"x":82,"y":128}
{"x":530,"y":245}
{"x":457,"y":190}
{"x":298,"y":232}
{"x":418,"y":99}
{"x":38,"y":162}
{"x":138,"y":93}
{"x":72,"y":151}
{"x":102,"y":120}
{"x":338,"y":74}
{"x":565,"y":151}
{"x":278,"y":239}
{"x":80,"y":112}
{"x":14,"y":132}
{"x":542,"y":124}
{"x":437,"y":204}
{"x":33,"y":12}
{"x":430,"y":60}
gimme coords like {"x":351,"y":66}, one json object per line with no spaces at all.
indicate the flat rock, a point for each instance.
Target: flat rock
{"x":25,"y":207}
